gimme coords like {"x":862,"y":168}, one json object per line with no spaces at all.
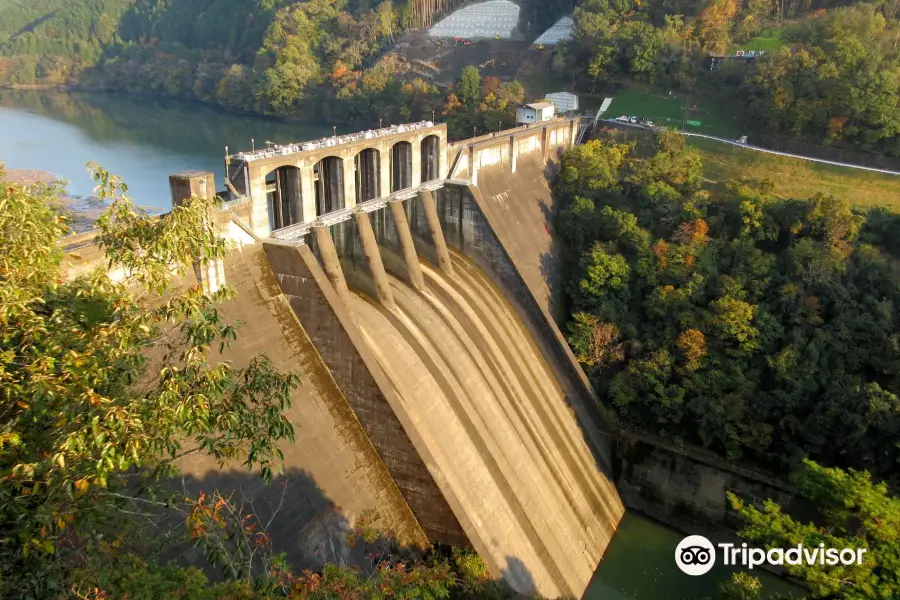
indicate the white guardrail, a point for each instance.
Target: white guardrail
{"x":764,"y":150}
{"x":327,"y":142}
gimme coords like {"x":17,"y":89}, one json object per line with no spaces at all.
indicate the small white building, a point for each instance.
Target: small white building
{"x":563,"y":101}
{"x":536,"y":112}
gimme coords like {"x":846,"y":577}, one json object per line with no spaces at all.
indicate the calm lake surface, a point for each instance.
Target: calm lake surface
{"x":640,"y":565}
{"x":145,"y":140}
{"x":141,"y":140}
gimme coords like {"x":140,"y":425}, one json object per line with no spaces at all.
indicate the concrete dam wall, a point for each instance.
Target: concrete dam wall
{"x":333,"y":474}
{"x":491,"y":416}
{"x":437,"y":390}
{"x":483,"y":384}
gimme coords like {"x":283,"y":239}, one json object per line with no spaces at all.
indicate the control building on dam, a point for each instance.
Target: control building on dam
{"x":407,"y":281}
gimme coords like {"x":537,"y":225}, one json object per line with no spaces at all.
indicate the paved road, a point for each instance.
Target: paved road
{"x":766,"y":150}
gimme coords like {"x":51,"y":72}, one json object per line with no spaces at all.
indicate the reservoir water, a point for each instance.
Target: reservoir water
{"x":145,"y":140}
{"x":139,"y":139}
{"x":640,"y":565}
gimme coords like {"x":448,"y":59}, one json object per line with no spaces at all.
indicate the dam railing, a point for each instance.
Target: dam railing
{"x":327,"y":142}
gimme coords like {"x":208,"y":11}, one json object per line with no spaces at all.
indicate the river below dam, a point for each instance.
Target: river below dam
{"x":144,"y":140}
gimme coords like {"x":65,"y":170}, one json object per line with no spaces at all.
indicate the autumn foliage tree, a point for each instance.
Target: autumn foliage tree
{"x":692,"y":344}
{"x":79,"y":408}
{"x":713,"y":25}
{"x":595,"y":343}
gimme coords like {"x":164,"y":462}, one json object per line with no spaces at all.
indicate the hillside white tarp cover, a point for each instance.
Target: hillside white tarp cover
{"x":564,"y":101}
{"x":562,"y":30}
{"x":497,"y":18}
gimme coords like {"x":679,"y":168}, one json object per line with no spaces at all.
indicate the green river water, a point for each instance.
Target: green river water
{"x":144,"y":140}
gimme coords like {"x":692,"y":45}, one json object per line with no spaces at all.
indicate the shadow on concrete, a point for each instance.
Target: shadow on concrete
{"x":551,"y":265}
{"x":302,"y":521}
{"x":517,"y":571}
{"x":307,"y":526}
{"x":554,"y":263}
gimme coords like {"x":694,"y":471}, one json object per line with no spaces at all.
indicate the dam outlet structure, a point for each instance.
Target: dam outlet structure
{"x":410,"y":283}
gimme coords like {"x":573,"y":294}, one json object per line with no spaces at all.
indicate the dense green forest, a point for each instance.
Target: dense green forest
{"x":250,"y":55}
{"x":312,"y":59}
{"x":761,"y":328}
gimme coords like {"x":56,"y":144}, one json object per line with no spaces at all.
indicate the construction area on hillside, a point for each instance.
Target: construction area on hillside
{"x":499,"y":37}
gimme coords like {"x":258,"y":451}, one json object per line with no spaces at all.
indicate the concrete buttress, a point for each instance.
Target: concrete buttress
{"x":437,"y":234}
{"x":407,"y":245}
{"x":331,"y":264}
{"x":373,"y":258}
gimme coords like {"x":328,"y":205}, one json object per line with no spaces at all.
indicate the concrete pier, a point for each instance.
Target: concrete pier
{"x":437,"y":234}
{"x":209,"y":273}
{"x":311,"y":179}
{"x":401,"y":224}
{"x":373,"y":258}
{"x":331,"y":264}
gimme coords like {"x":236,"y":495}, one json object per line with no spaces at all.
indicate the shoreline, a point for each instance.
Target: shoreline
{"x":92,"y":89}
{"x":83,"y":211}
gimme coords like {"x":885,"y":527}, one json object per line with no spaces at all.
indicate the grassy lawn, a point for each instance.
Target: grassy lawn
{"x":663,"y":109}
{"x":798,"y":178}
{"x":767,"y":41}
{"x":540,"y":83}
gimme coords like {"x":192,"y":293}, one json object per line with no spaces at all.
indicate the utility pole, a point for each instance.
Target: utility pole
{"x":253,"y":144}
{"x":684,"y":118}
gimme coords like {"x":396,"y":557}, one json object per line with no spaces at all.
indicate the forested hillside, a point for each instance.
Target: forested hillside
{"x":256,"y":55}
{"x":761,"y":328}
{"x":832,"y":75}
{"x":314,"y":59}
{"x":53,"y":41}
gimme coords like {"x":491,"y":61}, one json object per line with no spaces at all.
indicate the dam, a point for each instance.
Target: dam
{"x":409,"y":282}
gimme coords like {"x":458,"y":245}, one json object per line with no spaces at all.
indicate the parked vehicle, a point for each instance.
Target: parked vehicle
{"x":623,"y":118}
{"x":633,"y":120}
{"x":648,"y":123}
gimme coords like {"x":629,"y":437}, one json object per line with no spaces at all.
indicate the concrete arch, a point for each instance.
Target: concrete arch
{"x":284,"y":198}
{"x":401,"y":166}
{"x":328,"y":175}
{"x":367,"y":171}
{"x":431,"y":158}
